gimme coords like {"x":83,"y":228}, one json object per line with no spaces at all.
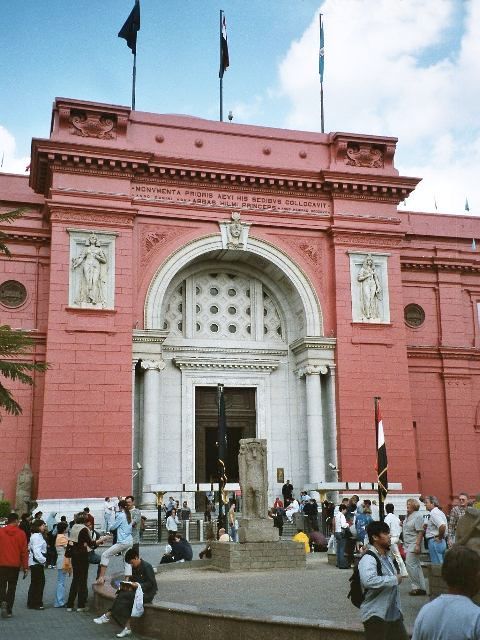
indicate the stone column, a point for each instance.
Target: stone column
{"x":151,"y":426}
{"x":316,"y":446}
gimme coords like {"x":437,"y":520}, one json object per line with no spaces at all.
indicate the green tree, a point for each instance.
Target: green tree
{"x":15,"y":344}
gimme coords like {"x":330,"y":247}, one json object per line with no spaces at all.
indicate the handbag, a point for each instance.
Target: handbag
{"x":69,"y":550}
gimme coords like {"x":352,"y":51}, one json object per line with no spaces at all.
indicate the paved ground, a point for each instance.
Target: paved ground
{"x":317,"y":593}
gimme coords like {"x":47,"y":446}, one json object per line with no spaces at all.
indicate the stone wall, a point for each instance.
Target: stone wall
{"x":252,"y":556}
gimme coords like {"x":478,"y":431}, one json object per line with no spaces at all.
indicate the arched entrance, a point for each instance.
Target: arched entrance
{"x":248,"y":319}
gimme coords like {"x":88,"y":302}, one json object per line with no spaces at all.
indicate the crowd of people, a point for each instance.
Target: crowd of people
{"x":386,"y":551}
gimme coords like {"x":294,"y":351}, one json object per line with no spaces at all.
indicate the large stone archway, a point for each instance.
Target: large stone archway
{"x":246,"y":319}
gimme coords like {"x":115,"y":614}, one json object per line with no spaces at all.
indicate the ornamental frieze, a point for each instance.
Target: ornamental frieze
{"x":81,"y":217}
{"x":364,"y":155}
{"x":93,"y":125}
{"x":153,"y":237}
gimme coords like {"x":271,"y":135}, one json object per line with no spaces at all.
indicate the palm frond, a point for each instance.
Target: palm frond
{"x":8,"y":403}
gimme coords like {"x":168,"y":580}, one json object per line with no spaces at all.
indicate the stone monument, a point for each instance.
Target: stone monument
{"x":23,"y":493}
{"x":255,"y":525}
{"x":259,"y":547}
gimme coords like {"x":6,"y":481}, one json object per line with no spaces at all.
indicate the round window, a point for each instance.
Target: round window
{"x":214,"y":328}
{"x":232,"y":292}
{"x":12,"y":293}
{"x":414,"y":315}
{"x":213,"y":309}
{"x":232,"y":311}
{"x":197,"y":307}
{"x":180,"y":326}
{"x":198,"y":327}
{"x":213,"y":291}
{"x":232,"y":328}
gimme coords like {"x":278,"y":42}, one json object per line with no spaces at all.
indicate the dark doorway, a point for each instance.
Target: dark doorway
{"x":241,"y":423}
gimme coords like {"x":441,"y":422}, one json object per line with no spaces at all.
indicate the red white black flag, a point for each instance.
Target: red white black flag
{"x":224,"y":60}
{"x":382,"y":463}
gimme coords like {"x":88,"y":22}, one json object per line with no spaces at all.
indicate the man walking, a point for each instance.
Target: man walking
{"x":380,"y":611}
{"x":13,"y":557}
{"x":436,"y":530}
{"x":456,"y":513}
{"x":287,"y":493}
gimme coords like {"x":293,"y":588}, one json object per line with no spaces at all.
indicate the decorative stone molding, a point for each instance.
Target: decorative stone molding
{"x":273,"y":353}
{"x":313,"y":342}
{"x":139,"y":335}
{"x":79,"y":217}
{"x":309,"y":248}
{"x":93,"y":125}
{"x":234,"y":233}
{"x":369,"y":287}
{"x":434,"y":264}
{"x":152,"y":238}
{"x":92,"y":269}
{"x":365,"y":239}
{"x":153,"y":365}
{"x":207,"y":363}
{"x":364,"y":155}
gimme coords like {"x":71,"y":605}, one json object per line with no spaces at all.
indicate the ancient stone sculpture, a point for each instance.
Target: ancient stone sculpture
{"x":370,"y":290}
{"x":92,"y":289}
{"x":252,"y":461}
{"x":468,"y":529}
{"x":23,"y":492}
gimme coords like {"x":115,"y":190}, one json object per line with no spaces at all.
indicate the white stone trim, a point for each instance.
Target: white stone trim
{"x":178,"y":260}
{"x":380,"y":261}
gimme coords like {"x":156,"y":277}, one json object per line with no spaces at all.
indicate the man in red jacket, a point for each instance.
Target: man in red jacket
{"x":13,"y":557}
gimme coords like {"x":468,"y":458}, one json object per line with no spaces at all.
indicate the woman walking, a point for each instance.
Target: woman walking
{"x":123,"y":527}
{"x":80,"y":544}
{"x":37,"y":557}
{"x":61,"y":543}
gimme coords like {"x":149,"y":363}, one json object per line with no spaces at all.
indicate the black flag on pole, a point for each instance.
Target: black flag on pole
{"x":224,"y":59}
{"x":382,"y":463}
{"x":131,"y":27}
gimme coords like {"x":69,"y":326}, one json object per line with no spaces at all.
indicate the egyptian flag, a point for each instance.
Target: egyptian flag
{"x":382,"y":463}
{"x":224,"y":60}
{"x":131,"y":28}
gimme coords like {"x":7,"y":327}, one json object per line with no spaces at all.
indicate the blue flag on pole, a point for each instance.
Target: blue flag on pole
{"x":321,"y":55}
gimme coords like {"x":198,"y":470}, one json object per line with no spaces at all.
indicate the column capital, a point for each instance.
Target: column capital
{"x":312,"y":370}
{"x":153,"y":365}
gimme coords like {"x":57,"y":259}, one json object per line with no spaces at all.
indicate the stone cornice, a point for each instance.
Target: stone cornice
{"x":80,"y":214}
{"x":140,"y":335}
{"x":443,"y":353}
{"x":25,"y":236}
{"x":209,"y":363}
{"x":273,"y":353}
{"x":84,"y":159}
{"x":440,"y":264}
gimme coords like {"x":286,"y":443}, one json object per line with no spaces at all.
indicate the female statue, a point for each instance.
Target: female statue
{"x":92,"y":283}
{"x":370,"y":289}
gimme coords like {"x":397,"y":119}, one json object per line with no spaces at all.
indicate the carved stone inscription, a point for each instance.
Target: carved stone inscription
{"x":92,"y":269}
{"x":215,"y":198}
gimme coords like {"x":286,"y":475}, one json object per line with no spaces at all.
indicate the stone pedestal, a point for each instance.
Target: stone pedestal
{"x":258,"y":556}
{"x":257,"y":530}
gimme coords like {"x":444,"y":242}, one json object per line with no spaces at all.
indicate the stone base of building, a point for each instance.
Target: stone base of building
{"x":257,"y":556}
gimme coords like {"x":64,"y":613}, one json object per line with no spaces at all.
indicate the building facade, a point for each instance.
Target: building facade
{"x":159,"y":256}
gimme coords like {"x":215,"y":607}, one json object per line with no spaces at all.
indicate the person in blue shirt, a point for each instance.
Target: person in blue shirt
{"x":453,"y":615}
{"x":123,"y":527}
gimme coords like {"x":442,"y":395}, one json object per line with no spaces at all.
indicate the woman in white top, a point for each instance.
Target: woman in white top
{"x":172,"y":522}
{"x":292,"y":508}
{"x":37,"y":556}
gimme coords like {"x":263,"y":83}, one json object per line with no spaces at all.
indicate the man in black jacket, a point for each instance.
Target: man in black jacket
{"x":142,"y":574}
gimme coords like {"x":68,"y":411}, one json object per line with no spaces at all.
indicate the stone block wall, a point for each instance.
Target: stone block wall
{"x":258,"y":556}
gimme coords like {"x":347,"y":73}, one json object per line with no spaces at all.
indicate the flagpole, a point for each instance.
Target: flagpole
{"x":221,"y":75}
{"x":380,"y":494}
{"x":322,"y":53}
{"x":134,"y":79}
{"x":222,"y":453}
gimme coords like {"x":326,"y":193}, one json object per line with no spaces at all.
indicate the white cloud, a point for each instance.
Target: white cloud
{"x":381,"y":79}
{"x":9,"y":161}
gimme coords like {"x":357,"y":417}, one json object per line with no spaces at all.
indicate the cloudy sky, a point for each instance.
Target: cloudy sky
{"x":404,"y":68}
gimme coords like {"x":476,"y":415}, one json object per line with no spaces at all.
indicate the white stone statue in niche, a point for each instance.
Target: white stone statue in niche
{"x":94,"y":264}
{"x":370,"y":289}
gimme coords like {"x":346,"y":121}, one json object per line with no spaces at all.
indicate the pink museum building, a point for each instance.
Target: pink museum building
{"x":160,"y":255}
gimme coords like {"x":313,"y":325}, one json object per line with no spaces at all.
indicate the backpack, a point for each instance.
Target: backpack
{"x":356,"y":595}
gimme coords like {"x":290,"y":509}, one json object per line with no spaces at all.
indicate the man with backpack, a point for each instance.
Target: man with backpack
{"x":379,"y":579}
